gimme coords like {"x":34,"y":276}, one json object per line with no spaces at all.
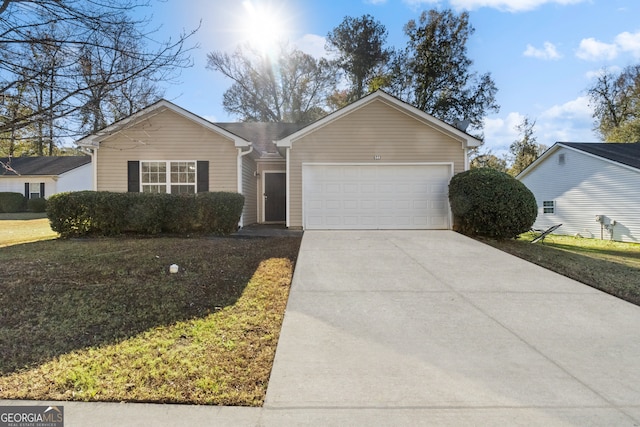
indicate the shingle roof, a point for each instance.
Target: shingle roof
{"x":48,"y":165}
{"x":627,"y":154}
{"x":261,"y":134}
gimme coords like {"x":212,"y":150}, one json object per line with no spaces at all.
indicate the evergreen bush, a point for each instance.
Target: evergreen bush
{"x":108,"y":213}
{"x":490,"y":203}
{"x":37,"y":205}
{"x":11,"y":202}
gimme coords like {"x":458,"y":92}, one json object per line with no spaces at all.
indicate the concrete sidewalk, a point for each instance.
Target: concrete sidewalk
{"x":429,"y":328}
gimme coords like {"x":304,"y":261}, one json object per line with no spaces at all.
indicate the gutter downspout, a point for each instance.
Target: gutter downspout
{"x":93,"y":152}
{"x":241,"y":154}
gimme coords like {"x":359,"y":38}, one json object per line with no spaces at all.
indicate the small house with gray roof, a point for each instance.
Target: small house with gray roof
{"x":378,"y":163}
{"x":44,"y":176}
{"x":592,"y":189}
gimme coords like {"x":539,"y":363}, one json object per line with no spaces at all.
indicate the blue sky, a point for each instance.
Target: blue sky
{"x":542,"y":54}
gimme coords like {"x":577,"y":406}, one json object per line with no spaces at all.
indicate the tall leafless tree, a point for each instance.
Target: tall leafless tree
{"x":92,"y":50}
{"x":293,"y":87}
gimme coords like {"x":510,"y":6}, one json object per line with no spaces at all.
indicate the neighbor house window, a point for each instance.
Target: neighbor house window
{"x":34,"y":190}
{"x":548,"y":206}
{"x":168,"y":177}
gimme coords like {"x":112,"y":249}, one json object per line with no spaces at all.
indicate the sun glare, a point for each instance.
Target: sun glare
{"x":263,"y":25}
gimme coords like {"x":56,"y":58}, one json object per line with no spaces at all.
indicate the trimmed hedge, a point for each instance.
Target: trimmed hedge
{"x":12,"y":202}
{"x":37,"y":205}
{"x":490,"y":203}
{"x":106,"y":213}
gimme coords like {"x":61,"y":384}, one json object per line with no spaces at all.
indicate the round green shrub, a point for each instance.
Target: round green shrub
{"x":37,"y":205}
{"x":490,"y":203}
{"x":11,"y":202}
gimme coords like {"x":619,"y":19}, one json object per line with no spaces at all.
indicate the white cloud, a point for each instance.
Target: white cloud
{"x":499,"y":132}
{"x":313,"y":45}
{"x":375,"y":1}
{"x":503,"y":5}
{"x":569,"y":122}
{"x":575,"y":109}
{"x":629,"y":42}
{"x":594,"y":74}
{"x":593,"y":50}
{"x":548,"y":52}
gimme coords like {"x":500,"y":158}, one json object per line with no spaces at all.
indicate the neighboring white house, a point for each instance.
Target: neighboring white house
{"x":592,"y":189}
{"x":44,"y":176}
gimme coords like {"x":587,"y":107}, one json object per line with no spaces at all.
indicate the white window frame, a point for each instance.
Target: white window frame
{"x":548,"y":207}
{"x":168,"y":184}
{"x":34,"y":194}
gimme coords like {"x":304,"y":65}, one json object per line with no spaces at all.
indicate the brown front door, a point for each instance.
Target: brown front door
{"x":275,"y":197}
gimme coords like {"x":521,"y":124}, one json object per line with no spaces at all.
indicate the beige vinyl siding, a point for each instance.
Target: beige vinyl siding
{"x":166,"y":136}
{"x":249,"y":188}
{"x":376,"y":129}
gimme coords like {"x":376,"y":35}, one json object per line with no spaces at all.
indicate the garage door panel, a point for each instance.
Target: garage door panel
{"x":367,"y":188}
{"x":376,"y":196}
{"x":368,"y":204}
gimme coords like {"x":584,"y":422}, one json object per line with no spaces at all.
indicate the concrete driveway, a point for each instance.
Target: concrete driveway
{"x":433,"y":328}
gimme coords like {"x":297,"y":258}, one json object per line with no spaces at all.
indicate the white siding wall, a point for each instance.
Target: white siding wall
{"x":78,"y":179}
{"x":16,"y":184}
{"x":583,"y":187}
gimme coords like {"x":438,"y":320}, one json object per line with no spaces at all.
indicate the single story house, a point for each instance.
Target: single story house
{"x":592,"y":189}
{"x":378,"y":163}
{"x":37,"y":177}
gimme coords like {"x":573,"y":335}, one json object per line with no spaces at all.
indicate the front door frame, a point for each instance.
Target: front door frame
{"x":263,"y":197}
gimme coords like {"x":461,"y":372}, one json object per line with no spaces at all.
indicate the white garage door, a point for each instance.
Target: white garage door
{"x":390,"y":196}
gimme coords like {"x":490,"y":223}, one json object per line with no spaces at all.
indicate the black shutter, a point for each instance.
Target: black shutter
{"x":133,"y":176}
{"x":42,"y":190}
{"x":26,"y":190}
{"x":203,"y":176}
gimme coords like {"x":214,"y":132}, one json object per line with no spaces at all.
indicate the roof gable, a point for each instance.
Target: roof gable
{"x":381,"y":96}
{"x":261,"y":134}
{"x":623,"y":154}
{"x":44,"y":165}
{"x":93,"y":140}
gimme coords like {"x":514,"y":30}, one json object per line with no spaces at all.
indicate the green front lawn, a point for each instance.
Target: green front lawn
{"x":103,"y":319}
{"x":613,"y":267}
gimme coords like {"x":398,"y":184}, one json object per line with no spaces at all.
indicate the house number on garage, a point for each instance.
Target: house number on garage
{"x":377,"y":157}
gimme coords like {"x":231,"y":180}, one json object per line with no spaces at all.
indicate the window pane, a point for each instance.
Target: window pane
{"x":183,"y":172}
{"x":183,"y":189}
{"x":154,"y":188}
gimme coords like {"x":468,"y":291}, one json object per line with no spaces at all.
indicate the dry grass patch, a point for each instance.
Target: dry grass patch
{"x":23,"y":228}
{"x":104,"y":320}
{"x":613,"y":267}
